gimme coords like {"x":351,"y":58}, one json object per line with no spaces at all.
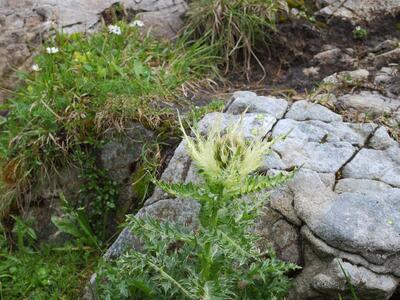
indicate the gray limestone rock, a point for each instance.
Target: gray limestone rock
{"x":332,"y":282}
{"x":382,"y":165}
{"x":387,"y":58}
{"x":122,"y":150}
{"x":341,"y":205}
{"x":184,"y":212}
{"x":332,"y":57}
{"x":253,"y":126}
{"x":381,"y":139}
{"x":304,"y":110}
{"x":347,"y":77}
{"x":175,"y":172}
{"x":276,"y":107}
{"x":368,"y":102}
{"x":361,"y":186}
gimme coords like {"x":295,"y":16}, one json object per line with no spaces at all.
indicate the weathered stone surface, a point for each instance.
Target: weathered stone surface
{"x":381,"y":139}
{"x":184,"y":212}
{"x":332,"y":282}
{"x":356,"y":11}
{"x":175,"y":172}
{"x":344,"y":200}
{"x":333,"y":59}
{"x":347,"y":77}
{"x":68,"y":183}
{"x":260,"y":104}
{"x":122,"y":150}
{"x":327,"y":157}
{"x":254,"y":125}
{"x":323,"y":147}
{"x":304,"y":110}
{"x":387,"y":58}
{"x":276,"y":232}
{"x":384,"y":75}
{"x":361,"y":186}
{"x":161,"y":25}
{"x":383,"y":165}
{"x":321,"y":279}
{"x":368,"y":102}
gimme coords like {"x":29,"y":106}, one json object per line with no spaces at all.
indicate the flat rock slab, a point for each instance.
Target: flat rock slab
{"x":382,"y":165}
{"x":368,"y":103}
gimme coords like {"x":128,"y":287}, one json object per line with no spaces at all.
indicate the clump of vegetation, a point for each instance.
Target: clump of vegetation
{"x":81,"y":86}
{"x":44,"y":272}
{"x":98,"y":196}
{"x":235,"y":27}
{"x":360,"y":33}
{"x":220,"y":259}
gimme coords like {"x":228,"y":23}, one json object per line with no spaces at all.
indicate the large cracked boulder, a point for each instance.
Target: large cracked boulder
{"x":341,"y":209}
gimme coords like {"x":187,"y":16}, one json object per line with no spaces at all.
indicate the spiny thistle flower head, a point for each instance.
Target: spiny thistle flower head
{"x":227,"y":157}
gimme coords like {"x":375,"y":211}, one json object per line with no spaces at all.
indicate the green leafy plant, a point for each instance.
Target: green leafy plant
{"x":75,"y":223}
{"x":41,"y":273}
{"x":235,"y":27}
{"x":360,"y":33}
{"x":98,"y":196}
{"x":220,"y":258}
{"x":24,"y":233}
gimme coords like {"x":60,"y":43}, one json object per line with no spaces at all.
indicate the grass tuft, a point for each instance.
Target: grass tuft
{"x":235,"y":27}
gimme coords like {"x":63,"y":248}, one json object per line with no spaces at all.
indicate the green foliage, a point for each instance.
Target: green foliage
{"x":43,"y":273}
{"x":75,"y":223}
{"x":220,"y":258}
{"x":90,"y":84}
{"x":235,"y":27}
{"x":24,"y":234}
{"x":360,"y":33}
{"x":97,"y":196}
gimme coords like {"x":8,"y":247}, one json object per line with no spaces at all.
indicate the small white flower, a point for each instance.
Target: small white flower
{"x":52,"y":50}
{"x":35,"y":68}
{"x":137,"y":23}
{"x":114,"y":29}
{"x":358,"y":28}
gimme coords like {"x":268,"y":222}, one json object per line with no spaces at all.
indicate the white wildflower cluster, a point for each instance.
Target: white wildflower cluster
{"x":114,"y":29}
{"x":136,"y":23}
{"x":52,"y":50}
{"x":35,"y":68}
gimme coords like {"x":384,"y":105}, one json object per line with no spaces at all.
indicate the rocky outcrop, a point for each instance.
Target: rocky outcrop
{"x":25,"y":24}
{"x":340,"y":209}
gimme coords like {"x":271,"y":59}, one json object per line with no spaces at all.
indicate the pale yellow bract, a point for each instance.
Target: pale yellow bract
{"x":226,"y":157}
